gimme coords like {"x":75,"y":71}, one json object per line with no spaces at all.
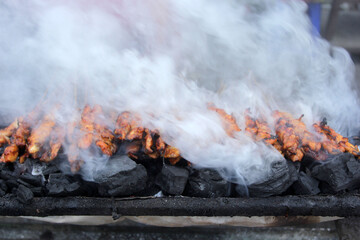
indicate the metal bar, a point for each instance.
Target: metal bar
{"x":332,"y":19}
{"x":348,"y":205}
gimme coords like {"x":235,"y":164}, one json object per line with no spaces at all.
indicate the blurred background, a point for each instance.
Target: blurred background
{"x":339,"y":23}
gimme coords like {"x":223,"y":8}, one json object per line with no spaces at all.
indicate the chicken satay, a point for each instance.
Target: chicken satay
{"x":148,"y":142}
{"x":342,"y":141}
{"x":133,"y":148}
{"x":172,"y":154}
{"x":137,"y":131}
{"x":73,"y":154}
{"x":105,"y":140}
{"x":259,"y":130}
{"x":298,"y":156}
{"x":10,"y":154}
{"x":23,"y":157}
{"x":56,"y":140}
{"x":333,"y":142}
{"x":103,"y":137}
{"x":7,"y":132}
{"x":86,"y":128}
{"x":287,"y":137}
{"x":40,"y":135}
{"x":18,"y":142}
{"x":21,"y":134}
{"x":123,"y":126}
{"x":71,"y":131}
{"x":159,"y":142}
{"x":229,"y":121}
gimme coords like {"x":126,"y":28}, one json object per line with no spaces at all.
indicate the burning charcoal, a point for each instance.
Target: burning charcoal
{"x":282,"y":175}
{"x":12,"y":183}
{"x":35,"y":180}
{"x":37,"y":191}
{"x":3,"y":188}
{"x":153,"y":167}
{"x":63,"y":185}
{"x":50,"y":169}
{"x":58,"y":178}
{"x":28,"y":185}
{"x":74,"y":188}
{"x":56,"y":190}
{"x":14,"y":191}
{"x":7,"y":175}
{"x":56,"y":184}
{"x":207,"y":183}
{"x":325,"y":188}
{"x":3,"y":185}
{"x":306,"y":185}
{"x":340,"y":172}
{"x":172,"y":180}
{"x":87,"y":188}
{"x":24,"y":194}
{"x":121,"y":176}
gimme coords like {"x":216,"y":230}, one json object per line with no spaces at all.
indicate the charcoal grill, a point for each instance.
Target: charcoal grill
{"x":340,"y":206}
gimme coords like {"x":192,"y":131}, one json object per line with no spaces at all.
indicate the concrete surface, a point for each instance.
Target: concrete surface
{"x":15,"y":228}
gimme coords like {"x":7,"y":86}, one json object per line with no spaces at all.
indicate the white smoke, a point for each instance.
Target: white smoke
{"x":167,"y":59}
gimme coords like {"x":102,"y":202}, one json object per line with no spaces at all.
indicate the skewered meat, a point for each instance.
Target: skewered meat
{"x":128,"y":127}
{"x":103,"y":137}
{"x":10,"y":153}
{"x":40,"y":135}
{"x":172,"y":154}
{"x":333,"y":142}
{"x":22,"y":133}
{"x":123,"y":125}
{"x":133,"y":148}
{"x":56,"y":140}
{"x":148,"y":142}
{"x":287,"y":137}
{"x":259,"y":130}
{"x":229,"y":122}
{"x":73,"y":158}
{"x":296,"y":139}
{"x":7,"y":132}
{"x":86,"y":127}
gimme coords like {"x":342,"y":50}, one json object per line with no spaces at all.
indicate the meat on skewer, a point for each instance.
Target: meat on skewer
{"x":229,"y":121}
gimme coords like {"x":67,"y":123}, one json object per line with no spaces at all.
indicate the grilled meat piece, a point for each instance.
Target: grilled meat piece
{"x":229,"y":122}
{"x":56,"y":140}
{"x":40,"y":135}
{"x":172,"y":154}
{"x":287,"y":137}
{"x":103,"y":137}
{"x":7,"y":132}
{"x":148,"y":142}
{"x":259,"y":130}
{"x":295,"y":138}
{"x":10,"y":154}
{"x":86,"y":128}
{"x":133,"y":148}
{"x":123,"y":126}
{"x":22,"y":133}
{"x":333,"y":142}
{"x":73,"y":154}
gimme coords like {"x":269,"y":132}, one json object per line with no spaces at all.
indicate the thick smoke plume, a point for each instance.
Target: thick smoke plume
{"x":167,"y":59}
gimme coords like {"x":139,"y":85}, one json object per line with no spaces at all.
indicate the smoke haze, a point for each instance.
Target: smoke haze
{"x":167,"y":59}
